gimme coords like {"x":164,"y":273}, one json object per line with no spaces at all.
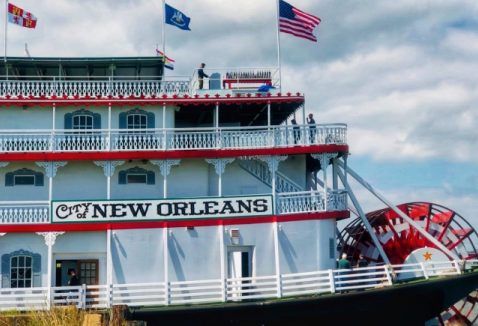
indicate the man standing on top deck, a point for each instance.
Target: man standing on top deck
{"x":312,"y":128}
{"x":201,"y":75}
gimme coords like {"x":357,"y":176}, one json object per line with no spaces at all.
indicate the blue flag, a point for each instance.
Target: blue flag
{"x":175,"y":17}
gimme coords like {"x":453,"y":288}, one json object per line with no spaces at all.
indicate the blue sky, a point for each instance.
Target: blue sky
{"x":400,"y":73}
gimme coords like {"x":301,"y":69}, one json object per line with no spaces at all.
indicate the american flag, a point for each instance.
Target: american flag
{"x":297,"y":22}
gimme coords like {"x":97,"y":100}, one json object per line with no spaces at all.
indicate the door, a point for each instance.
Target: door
{"x":239,"y":263}
{"x":86,"y":270}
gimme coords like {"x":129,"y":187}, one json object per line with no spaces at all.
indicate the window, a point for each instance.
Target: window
{"x":21,"y":271}
{"x":136,"y":119}
{"x":136,"y":178}
{"x":24,"y":177}
{"x":332,"y":248}
{"x":23,"y":180}
{"x":82,"y":120}
{"x":136,"y":175}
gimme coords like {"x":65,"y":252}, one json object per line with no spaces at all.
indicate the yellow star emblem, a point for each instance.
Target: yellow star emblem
{"x":427,"y":255}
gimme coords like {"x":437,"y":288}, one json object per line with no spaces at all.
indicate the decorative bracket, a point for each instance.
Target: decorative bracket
{"x":324,"y":159}
{"x":108,"y":166}
{"x":51,"y":167}
{"x":165,"y":165}
{"x":219,"y":164}
{"x":272,"y":161}
{"x":50,"y":237}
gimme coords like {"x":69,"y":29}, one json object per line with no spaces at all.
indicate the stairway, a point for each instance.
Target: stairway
{"x":260,"y":170}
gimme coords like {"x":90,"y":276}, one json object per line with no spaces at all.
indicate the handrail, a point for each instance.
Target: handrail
{"x":214,"y":290}
{"x":61,"y":140}
{"x":139,"y":130}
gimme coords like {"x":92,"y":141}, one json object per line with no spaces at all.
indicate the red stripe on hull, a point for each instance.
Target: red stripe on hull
{"x":338,"y":215}
{"x":178,"y":154}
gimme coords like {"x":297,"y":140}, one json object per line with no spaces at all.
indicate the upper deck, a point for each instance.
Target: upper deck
{"x":60,"y":79}
{"x":239,"y":111}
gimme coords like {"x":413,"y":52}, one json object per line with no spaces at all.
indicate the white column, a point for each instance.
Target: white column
{"x":165,"y":168}
{"x":109,"y":170}
{"x":216,"y":116}
{"x":166,"y":263}
{"x":277,"y":259}
{"x":50,"y":238}
{"x":268,"y":114}
{"x":324,"y":163}
{"x":110,"y":143}
{"x":109,"y":258}
{"x":53,"y":122}
{"x":165,"y":134}
{"x":219,"y":167}
{"x":335,"y":181}
{"x":164,"y":115}
{"x":223,"y":258}
{"x":50,"y":172}
{"x":273,"y":164}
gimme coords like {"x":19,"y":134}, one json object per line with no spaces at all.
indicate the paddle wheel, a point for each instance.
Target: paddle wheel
{"x":399,"y":239}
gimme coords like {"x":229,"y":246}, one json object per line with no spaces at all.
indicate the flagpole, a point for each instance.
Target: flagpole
{"x":6,"y":27}
{"x":278,"y":46}
{"x":164,"y":36}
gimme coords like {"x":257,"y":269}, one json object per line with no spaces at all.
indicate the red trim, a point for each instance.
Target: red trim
{"x":338,"y":215}
{"x":159,"y":154}
{"x":164,"y":99}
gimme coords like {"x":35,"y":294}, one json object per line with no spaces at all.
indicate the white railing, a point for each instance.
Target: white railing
{"x":23,"y":299}
{"x":227,"y":290}
{"x":166,"y":139}
{"x":138,"y":294}
{"x":94,"y":87}
{"x":247,"y":79}
{"x":105,"y":87}
{"x":311,"y":201}
{"x":20,"y":212}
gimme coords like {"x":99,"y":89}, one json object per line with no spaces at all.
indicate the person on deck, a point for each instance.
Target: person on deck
{"x":344,"y":263}
{"x":201,"y":75}
{"x":74,"y":280}
{"x":296,"y":131}
{"x":312,"y":127}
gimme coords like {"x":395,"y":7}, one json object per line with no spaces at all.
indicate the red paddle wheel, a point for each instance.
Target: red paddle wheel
{"x":399,"y":239}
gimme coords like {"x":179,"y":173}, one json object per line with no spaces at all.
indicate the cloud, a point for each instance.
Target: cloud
{"x":400,"y":73}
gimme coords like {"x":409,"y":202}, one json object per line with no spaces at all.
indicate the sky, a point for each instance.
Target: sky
{"x":402,"y":74}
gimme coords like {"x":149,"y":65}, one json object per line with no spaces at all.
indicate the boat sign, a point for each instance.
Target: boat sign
{"x":155,"y":210}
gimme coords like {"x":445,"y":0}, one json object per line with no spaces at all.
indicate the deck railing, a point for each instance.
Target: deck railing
{"x":14,"y":141}
{"x":226,"y":290}
{"x":105,"y":87}
{"x":238,"y":79}
{"x":24,"y":212}
{"x":93,"y":87}
{"x":38,"y":212}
